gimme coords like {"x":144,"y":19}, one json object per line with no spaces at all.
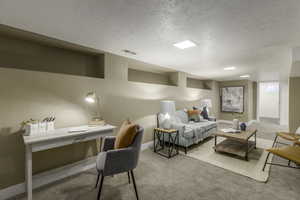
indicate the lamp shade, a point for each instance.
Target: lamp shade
{"x":206,"y":103}
{"x":167,"y":107}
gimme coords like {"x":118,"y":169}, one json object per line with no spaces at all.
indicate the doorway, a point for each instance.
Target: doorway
{"x":269,"y":102}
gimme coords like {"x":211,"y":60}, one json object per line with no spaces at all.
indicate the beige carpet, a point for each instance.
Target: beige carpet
{"x":251,"y":168}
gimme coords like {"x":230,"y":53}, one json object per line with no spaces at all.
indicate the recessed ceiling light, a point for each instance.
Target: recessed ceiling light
{"x":229,"y":68}
{"x":245,"y":76}
{"x":185,"y":44}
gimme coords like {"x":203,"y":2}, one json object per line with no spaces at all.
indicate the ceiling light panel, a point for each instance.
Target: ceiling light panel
{"x":245,"y":76}
{"x":229,"y":68}
{"x":185,"y":44}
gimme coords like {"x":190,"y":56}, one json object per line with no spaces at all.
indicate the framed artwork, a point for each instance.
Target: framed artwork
{"x":232,"y":99}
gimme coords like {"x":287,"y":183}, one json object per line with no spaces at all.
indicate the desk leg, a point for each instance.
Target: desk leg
{"x":28,"y":172}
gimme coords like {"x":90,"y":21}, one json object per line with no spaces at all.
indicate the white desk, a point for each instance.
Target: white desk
{"x":58,"y":138}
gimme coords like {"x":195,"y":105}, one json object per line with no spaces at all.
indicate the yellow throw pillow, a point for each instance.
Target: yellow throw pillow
{"x":193,"y":112}
{"x":125,"y":135}
{"x":194,"y":115}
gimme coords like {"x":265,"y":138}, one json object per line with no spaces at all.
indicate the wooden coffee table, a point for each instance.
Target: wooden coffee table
{"x":236,"y":143}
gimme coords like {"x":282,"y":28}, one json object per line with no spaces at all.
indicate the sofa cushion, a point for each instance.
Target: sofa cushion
{"x":182,"y":116}
{"x":178,"y":126}
{"x":189,"y":132}
{"x":198,"y":127}
{"x":207,"y":124}
{"x":175,"y":119}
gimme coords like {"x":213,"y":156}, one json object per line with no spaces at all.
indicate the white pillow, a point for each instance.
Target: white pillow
{"x":175,"y":119}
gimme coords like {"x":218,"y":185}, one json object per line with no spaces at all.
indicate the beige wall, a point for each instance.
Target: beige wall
{"x":30,"y":91}
{"x":254,"y":99}
{"x":31,"y":94}
{"x":148,"y":77}
{"x":23,"y":54}
{"x":294,"y":103}
{"x":195,"y":83}
{"x":249,"y":104}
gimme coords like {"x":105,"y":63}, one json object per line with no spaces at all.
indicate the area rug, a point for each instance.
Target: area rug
{"x":252,"y":168}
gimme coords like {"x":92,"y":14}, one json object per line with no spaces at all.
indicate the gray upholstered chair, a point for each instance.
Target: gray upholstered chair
{"x":114,"y":161}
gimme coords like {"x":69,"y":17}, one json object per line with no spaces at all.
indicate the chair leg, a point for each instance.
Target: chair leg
{"x":134,"y":184}
{"x":275,"y":140}
{"x":100,"y":188}
{"x":266,"y":161}
{"x":97,"y":180}
{"x":128,"y":177}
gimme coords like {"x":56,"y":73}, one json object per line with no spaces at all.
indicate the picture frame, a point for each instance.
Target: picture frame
{"x":232,"y":99}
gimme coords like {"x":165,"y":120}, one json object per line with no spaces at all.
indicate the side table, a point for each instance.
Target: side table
{"x":166,"y":142}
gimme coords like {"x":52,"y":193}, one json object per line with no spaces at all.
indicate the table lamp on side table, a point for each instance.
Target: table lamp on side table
{"x":167,"y":108}
{"x":92,"y":98}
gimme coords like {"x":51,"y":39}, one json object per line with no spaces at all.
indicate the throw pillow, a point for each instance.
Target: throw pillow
{"x":202,"y":119}
{"x":193,"y":115}
{"x":204,"y":113}
{"x":175,"y":119}
{"x":125,"y":135}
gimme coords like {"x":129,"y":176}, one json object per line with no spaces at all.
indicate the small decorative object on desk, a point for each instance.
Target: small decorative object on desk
{"x":35,"y":127}
{"x":49,"y":123}
{"x":31,"y":127}
{"x":243,"y":126}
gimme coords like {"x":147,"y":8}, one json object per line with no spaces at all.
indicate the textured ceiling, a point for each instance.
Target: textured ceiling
{"x":256,"y":36}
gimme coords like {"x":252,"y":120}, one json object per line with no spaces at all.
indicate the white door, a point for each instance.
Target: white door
{"x":269,"y":99}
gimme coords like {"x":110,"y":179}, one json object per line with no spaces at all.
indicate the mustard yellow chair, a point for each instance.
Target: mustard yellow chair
{"x":292,"y":137}
{"x":290,"y":152}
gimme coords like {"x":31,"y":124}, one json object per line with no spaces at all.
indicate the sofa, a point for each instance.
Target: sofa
{"x":190,"y":132}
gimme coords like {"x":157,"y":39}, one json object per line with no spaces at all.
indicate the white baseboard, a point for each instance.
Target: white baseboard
{"x":147,"y":145}
{"x":55,"y":175}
